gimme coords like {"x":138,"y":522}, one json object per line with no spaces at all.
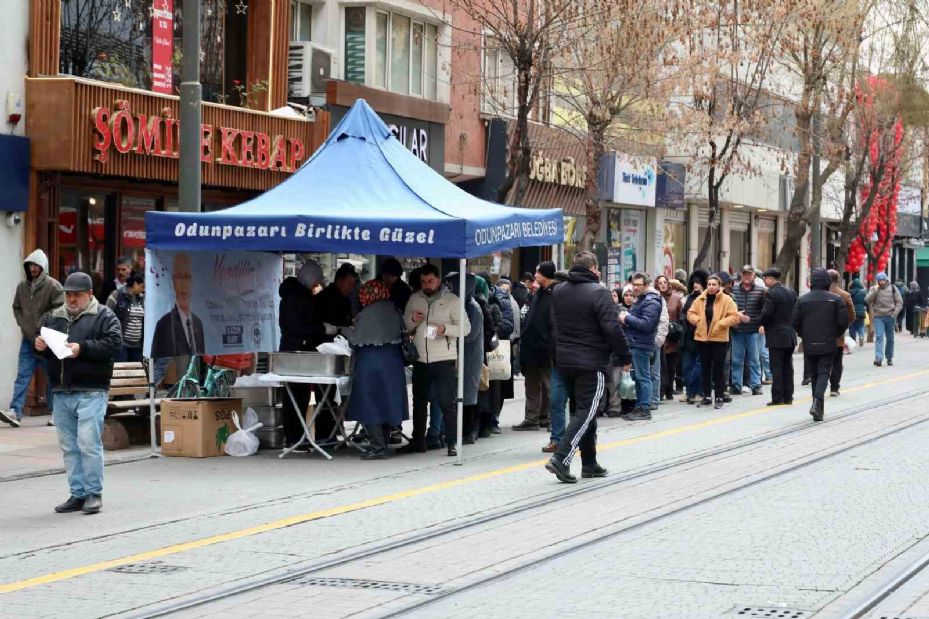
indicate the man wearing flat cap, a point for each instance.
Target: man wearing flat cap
{"x":780,"y":337}
{"x":80,"y":383}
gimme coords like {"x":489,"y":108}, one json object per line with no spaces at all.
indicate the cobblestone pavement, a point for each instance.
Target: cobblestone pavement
{"x":307,"y":510}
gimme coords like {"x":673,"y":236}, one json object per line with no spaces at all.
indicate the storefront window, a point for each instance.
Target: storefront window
{"x":766,"y":243}
{"x":132,"y":227}
{"x":400,"y":53}
{"x":673,"y":250}
{"x":738,"y":249}
{"x":82,"y":234}
{"x":380,"y":60}
{"x":625,"y":252}
{"x":406,"y":52}
{"x":111,"y":41}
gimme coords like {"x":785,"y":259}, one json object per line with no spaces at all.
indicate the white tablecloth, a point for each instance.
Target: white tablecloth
{"x":342,"y":383}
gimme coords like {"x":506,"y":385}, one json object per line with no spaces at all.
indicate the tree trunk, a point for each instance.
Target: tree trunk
{"x":514,"y":186}
{"x":713,"y":208}
{"x":596,"y":130}
{"x":797,"y":214}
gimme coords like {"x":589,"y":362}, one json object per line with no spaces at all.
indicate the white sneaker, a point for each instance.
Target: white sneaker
{"x":9,"y":417}
{"x":50,"y":423}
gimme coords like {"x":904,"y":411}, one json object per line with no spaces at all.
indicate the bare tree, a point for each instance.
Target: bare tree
{"x":612,"y":81}
{"x":823,"y":36}
{"x":733,"y":43}
{"x":530,"y":33}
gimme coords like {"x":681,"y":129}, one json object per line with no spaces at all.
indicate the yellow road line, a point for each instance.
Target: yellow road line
{"x":389,"y":498}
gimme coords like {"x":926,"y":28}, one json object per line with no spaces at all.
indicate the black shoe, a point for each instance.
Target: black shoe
{"x":834,"y":393}
{"x":757,"y":391}
{"x":638,"y":414}
{"x":705,"y":402}
{"x":788,"y":402}
{"x":589,"y":472}
{"x":806,"y":381}
{"x":735,"y":390}
{"x":525,"y":426}
{"x":774,"y":403}
{"x":495,"y":430}
{"x":467,"y":439}
{"x":376,"y":454}
{"x":718,"y":404}
{"x":395,"y":438}
{"x":92,"y":505}
{"x":484,"y":433}
{"x":877,"y":364}
{"x":727,"y":398}
{"x":9,"y":417}
{"x":434,"y":443}
{"x":452,"y":451}
{"x":819,"y":409}
{"x":690,"y":400}
{"x":545,"y":424}
{"x":73,"y":504}
{"x":615,"y":414}
{"x":413,"y":447}
{"x":560,"y":471}
{"x":890,"y":362}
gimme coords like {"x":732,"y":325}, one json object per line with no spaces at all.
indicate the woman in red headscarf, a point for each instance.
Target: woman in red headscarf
{"x":378,"y":398}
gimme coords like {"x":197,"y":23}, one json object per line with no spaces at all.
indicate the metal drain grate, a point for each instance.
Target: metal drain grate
{"x":371,"y":585}
{"x":773,"y":613}
{"x":150,"y":567}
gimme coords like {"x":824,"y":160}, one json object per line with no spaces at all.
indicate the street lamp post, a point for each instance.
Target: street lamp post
{"x":191,"y":111}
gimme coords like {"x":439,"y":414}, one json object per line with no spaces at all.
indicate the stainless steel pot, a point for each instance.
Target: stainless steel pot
{"x":308,"y":364}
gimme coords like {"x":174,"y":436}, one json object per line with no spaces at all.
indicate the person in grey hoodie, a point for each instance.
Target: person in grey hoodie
{"x":35,"y":296}
{"x":885,"y":303}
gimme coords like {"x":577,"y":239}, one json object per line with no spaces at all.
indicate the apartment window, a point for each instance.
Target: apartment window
{"x":355,"y":44}
{"x":498,"y":77}
{"x":406,"y":53}
{"x":301,"y":18}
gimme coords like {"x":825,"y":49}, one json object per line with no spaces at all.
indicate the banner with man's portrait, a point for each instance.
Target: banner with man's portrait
{"x":211,"y":303}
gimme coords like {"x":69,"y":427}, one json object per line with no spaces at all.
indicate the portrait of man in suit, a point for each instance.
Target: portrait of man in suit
{"x":180,"y":331}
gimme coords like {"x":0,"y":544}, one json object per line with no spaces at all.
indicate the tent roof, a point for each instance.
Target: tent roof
{"x":362,"y":192}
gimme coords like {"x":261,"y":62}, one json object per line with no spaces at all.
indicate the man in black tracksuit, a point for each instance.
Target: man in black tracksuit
{"x":819,"y":317}
{"x":587,"y":330}
{"x":780,"y":337}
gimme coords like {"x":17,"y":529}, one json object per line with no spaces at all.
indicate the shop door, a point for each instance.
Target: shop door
{"x":86,"y":238}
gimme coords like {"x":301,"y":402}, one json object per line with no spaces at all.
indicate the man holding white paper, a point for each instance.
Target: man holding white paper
{"x":80,"y":371}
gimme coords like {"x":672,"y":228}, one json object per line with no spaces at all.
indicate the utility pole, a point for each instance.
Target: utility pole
{"x":191,"y":111}
{"x":816,"y":226}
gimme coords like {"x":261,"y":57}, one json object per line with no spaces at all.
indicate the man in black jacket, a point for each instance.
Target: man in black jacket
{"x":587,"y":331}
{"x":535,"y":353}
{"x":819,"y":317}
{"x":780,"y":337}
{"x":80,"y":383}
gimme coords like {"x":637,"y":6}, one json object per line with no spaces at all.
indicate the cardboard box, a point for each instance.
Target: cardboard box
{"x":197,"y":428}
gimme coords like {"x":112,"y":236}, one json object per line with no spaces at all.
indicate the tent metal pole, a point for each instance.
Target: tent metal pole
{"x":462,"y":316}
{"x":151,"y":408}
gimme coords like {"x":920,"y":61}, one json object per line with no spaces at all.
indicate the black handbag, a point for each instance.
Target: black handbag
{"x":407,"y":345}
{"x":675,"y":331}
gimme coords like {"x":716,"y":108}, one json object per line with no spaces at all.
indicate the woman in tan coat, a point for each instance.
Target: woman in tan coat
{"x":712,"y":315}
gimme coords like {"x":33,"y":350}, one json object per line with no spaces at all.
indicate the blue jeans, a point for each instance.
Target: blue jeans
{"x":765,"y":357}
{"x":693,"y":374}
{"x":558,"y":403}
{"x":79,"y":422}
{"x":642,"y":373}
{"x":883,"y":327}
{"x":856,"y":329}
{"x":745,"y":345}
{"x":654,"y":373}
{"x":28,"y":362}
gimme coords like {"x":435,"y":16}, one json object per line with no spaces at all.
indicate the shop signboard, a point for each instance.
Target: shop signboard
{"x":627,"y":180}
{"x":669,"y":189}
{"x":424,"y":139}
{"x":211,"y":302}
{"x":163,"y":46}
{"x":909,"y":200}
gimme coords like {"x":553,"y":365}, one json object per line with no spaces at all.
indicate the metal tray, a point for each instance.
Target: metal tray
{"x":307,"y":364}
{"x":255,"y":396}
{"x":270,"y":416}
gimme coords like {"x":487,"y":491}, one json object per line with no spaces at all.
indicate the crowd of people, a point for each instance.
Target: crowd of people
{"x":584,"y":350}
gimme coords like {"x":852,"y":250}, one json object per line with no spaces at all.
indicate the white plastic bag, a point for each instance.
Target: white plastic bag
{"x":339,"y":346}
{"x":626,"y":386}
{"x":243,"y":442}
{"x":850,"y":344}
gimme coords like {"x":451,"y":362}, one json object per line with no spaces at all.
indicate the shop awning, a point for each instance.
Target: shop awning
{"x":364,"y":192}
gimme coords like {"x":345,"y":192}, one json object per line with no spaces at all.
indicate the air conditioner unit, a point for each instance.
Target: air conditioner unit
{"x":308,"y":67}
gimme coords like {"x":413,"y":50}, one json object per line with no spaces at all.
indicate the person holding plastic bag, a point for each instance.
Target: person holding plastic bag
{"x":378,"y":400}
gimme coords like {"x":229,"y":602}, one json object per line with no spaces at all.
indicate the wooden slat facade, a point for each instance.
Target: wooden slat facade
{"x":44,"y":37}
{"x":61,"y":125}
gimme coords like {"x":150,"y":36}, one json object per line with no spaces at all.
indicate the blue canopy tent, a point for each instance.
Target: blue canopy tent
{"x":362,"y":191}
